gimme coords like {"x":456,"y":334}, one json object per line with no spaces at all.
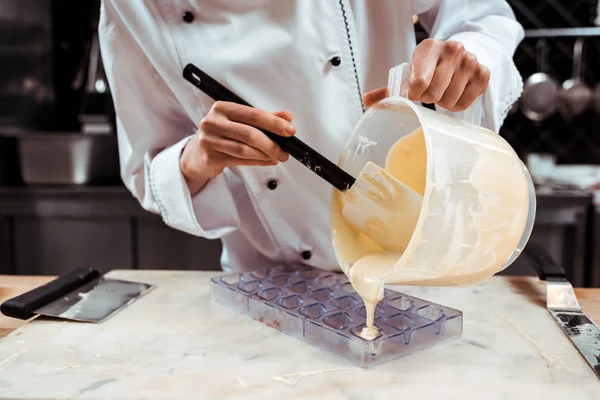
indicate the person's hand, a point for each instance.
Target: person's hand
{"x":442,"y":73}
{"x":228,"y":136}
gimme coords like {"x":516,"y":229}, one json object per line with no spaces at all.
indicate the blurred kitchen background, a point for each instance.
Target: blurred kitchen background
{"x":63,"y":205}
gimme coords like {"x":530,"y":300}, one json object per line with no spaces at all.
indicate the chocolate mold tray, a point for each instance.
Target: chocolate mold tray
{"x":322,"y":309}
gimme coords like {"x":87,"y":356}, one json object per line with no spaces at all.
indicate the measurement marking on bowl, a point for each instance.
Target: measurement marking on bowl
{"x":363,"y":144}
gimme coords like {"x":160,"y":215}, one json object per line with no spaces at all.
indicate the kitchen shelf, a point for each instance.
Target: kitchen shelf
{"x":546,"y":33}
{"x":562,"y":32}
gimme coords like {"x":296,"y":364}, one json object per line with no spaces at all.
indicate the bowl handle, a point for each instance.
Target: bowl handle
{"x":398,"y":86}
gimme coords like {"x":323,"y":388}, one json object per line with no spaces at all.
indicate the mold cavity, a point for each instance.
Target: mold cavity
{"x":344,"y":303}
{"x":290,"y":302}
{"x":356,"y":331}
{"x":401,"y":322}
{"x":231,"y":279}
{"x":321,"y":294}
{"x":269,"y":294}
{"x":300,"y":287}
{"x":313,"y":311}
{"x":250,"y":287}
{"x":430,"y":312}
{"x":327,"y":280}
{"x":401,"y":303}
{"x":347,"y":287}
{"x":338,"y":321}
{"x":260,"y":274}
{"x":280,"y":280}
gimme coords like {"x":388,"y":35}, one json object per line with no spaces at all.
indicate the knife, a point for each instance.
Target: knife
{"x":79,"y":295}
{"x":562,"y":304}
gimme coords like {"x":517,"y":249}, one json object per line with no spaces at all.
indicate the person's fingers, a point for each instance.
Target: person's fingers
{"x":454,"y":91}
{"x":255,"y":117}
{"x":424,"y":62}
{"x":288,"y":117}
{"x":239,"y":150}
{"x":439,"y":83}
{"x":468,"y":96}
{"x":479,"y":77}
{"x":227,"y":160}
{"x":252,"y":137}
{"x":374,"y":96}
{"x":283,"y":114}
{"x":234,"y":162}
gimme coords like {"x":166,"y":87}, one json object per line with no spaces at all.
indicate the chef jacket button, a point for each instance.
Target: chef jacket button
{"x":272,"y":184}
{"x":188,"y":17}
{"x":306,"y":254}
{"x":335,"y":61}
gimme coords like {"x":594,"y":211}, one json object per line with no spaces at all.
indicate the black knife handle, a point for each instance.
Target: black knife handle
{"x":23,"y":306}
{"x":542,"y":262}
{"x":295,"y":147}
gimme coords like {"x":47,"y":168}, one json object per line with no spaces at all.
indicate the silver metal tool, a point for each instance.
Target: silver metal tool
{"x":79,"y":295}
{"x":562,"y":304}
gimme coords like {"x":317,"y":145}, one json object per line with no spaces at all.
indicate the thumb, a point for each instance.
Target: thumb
{"x":374,"y":96}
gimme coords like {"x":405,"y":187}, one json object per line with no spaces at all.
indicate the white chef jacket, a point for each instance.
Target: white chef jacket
{"x":276,"y":55}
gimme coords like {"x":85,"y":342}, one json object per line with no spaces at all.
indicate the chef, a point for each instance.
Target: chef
{"x":310,"y":68}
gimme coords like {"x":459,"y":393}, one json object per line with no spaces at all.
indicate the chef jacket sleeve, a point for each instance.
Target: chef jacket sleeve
{"x":152,"y":130}
{"x":489,"y":30}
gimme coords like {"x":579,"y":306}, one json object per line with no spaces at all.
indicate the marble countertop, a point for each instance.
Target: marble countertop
{"x":175,"y":343}
{"x":14,"y":285}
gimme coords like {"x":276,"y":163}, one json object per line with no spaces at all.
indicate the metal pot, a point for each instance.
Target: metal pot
{"x":575,"y":96}
{"x":514,"y":108}
{"x":69,"y":159}
{"x":540,"y":89}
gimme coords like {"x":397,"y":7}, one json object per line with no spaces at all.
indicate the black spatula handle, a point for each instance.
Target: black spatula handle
{"x":542,"y":262}
{"x":302,"y":152}
{"x":24,"y":306}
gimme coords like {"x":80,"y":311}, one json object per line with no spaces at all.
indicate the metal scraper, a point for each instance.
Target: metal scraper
{"x":562,"y":304}
{"x":79,"y":295}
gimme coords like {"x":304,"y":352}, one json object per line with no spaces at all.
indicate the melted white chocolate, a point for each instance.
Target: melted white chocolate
{"x":407,"y":161}
{"x":385,"y":228}
{"x":375,"y":220}
{"x":369,"y":332}
{"x":382,"y":208}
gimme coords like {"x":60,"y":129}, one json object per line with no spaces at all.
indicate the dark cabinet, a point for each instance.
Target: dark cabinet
{"x":51,"y":246}
{"x":561,"y":226}
{"x":48,"y":231}
{"x":161,"y":247}
{"x":7,"y":265}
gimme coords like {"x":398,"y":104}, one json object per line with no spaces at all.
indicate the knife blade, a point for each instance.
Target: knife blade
{"x":562,"y":304}
{"x":82,"y":294}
